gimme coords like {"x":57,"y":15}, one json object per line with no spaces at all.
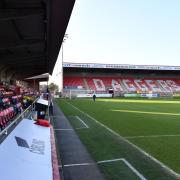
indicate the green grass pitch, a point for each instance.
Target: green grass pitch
{"x":152,"y":125}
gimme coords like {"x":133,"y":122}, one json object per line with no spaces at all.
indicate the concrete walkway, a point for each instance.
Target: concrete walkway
{"x":72,"y":152}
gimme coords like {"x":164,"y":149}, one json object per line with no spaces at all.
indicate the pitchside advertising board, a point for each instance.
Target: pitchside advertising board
{"x":90,"y":95}
{"x":142,"y":95}
{"x":26,"y":153}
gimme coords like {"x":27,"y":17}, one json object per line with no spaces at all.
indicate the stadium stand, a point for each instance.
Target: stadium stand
{"x":73,"y":82}
{"x":119,"y":84}
{"x":12,"y":104}
{"x":29,"y":46}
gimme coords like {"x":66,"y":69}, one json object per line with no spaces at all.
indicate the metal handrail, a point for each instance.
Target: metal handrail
{"x":16,"y":119}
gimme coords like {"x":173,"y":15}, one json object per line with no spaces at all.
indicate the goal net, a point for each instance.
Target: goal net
{"x":71,"y":93}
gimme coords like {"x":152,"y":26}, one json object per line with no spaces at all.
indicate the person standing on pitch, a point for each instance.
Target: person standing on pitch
{"x":94,"y":97}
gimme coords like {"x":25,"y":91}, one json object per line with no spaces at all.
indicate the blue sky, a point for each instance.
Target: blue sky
{"x":142,"y":32}
{"x":124,"y":32}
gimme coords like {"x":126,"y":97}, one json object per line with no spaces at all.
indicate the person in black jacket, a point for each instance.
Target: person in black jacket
{"x":94,"y":97}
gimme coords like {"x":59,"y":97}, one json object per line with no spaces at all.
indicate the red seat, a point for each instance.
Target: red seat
{"x":73,"y":82}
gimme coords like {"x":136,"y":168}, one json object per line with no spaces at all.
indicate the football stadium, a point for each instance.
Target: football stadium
{"x":131,"y":129}
{"x":108,"y":120}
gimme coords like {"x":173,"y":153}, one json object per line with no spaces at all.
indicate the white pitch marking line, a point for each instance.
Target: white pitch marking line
{"x":109,"y":161}
{"x":81,"y":128}
{"x":127,"y":164}
{"x":77,"y":117}
{"x":81,"y":164}
{"x":153,"y":136}
{"x":69,"y":129}
{"x":133,"y":169}
{"x":133,"y":145}
{"x":63,"y":129}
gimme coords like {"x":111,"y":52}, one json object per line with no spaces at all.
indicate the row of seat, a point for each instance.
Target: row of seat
{"x":11,"y":104}
{"x":123,"y":84}
{"x":6,"y":116}
{"x":73,"y":82}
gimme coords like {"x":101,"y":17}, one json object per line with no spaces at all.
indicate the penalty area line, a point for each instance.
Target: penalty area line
{"x":127,"y":164}
{"x":134,"y":170}
{"x":137,"y":173}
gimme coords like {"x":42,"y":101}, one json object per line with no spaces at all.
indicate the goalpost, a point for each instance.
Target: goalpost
{"x":77,"y":93}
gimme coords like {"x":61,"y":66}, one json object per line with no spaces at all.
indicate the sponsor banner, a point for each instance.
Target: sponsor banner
{"x":163,"y":94}
{"x":141,"y":95}
{"x":103,"y":95}
{"x":176,"y":95}
{"x":26,"y":153}
{"x":84,"y":95}
{"x":90,"y":95}
{"x":149,"y":95}
{"x":131,"y":95}
{"x":119,"y":66}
